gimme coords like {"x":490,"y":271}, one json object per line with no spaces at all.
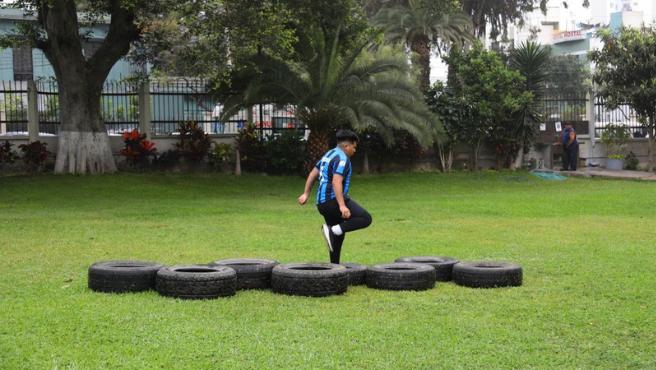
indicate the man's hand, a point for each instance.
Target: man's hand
{"x":303,"y":198}
{"x":346,"y":213}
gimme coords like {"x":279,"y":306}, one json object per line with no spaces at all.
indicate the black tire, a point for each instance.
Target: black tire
{"x":251,"y":273}
{"x":487,"y":274}
{"x":357,"y":273}
{"x":123,"y":276}
{"x":401,"y":276}
{"x":443,"y":265}
{"x":196,"y":281}
{"x":310,"y":279}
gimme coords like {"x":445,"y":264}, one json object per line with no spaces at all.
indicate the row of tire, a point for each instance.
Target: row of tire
{"x":225,"y":277}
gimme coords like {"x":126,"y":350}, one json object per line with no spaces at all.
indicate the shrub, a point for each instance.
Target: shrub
{"x":285,"y":153}
{"x":194,"y":144}
{"x":35,"y":155}
{"x":137,"y":149}
{"x":221,"y":156}
{"x":631,"y":161}
{"x":7,"y":155}
{"x":251,"y":150}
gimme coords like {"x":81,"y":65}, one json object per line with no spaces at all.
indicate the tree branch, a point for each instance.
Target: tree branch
{"x":122,"y":31}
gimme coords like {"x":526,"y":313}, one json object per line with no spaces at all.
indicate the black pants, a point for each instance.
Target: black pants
{"x":570,"y":157}
{"x":359,"y":219}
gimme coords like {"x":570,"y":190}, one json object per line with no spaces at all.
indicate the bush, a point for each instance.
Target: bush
{"x":137,"y":149}
{"x":631,"y":161}
{"x":35,"y":155}
{"x":194,"y":144}
{"x":251,"y":150}
{"x":221,"y":156}
{"x":7,"y":155}
{"x":285,"y":153}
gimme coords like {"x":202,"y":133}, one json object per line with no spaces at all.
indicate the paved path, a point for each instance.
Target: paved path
{"x":602,"y":172}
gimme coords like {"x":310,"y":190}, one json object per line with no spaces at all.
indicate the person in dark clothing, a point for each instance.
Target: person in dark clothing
{"x":570,"y":148}
{"x":341,"y":213}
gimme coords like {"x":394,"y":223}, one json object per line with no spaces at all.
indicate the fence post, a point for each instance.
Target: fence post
{"x":590,"y":116}
{"x":145,"y":124}
{"x":32,"y":112}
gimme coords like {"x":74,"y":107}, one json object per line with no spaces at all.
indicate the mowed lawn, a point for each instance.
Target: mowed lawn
{"x":588,"y":248}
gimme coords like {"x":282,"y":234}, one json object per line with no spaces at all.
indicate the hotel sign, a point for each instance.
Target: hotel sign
{"x":568,"y":36}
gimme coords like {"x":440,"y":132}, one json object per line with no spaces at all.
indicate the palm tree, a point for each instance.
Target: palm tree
{"x":531,"y":60}
{"x":419,"y":27}
{"x":361,"y":89}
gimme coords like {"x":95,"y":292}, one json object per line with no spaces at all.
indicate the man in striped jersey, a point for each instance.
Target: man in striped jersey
{"x":342,"y":214}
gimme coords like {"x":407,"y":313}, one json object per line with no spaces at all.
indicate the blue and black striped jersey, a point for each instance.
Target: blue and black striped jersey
{"x":335,"y":161}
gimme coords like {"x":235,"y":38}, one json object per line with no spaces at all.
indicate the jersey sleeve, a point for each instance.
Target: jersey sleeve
{"x":318,"y":165}
{"x":342,"y":166}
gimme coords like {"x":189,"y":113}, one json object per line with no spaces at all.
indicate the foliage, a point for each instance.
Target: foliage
{"x":491,"y":96}
{"x":137,"y":149}
{"x":631,"y":161}
{"x":451,"y":112}
{"x":285,"y":153}
{"x":568,"y":75}
{"x":221,"y":155}
{"x":34,"y":154}
{"x":419,"y":26}
{"x":358,"y":89}
{"x":616,"y":137}
{"x":7,"y":155}
{"x":194,"y":144}
{"x":530,"y":60}
{"x":624,"y":74}
{"x":251,"y":149}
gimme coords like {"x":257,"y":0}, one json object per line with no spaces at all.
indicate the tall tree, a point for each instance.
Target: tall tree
{"x":420,"y":26}
{"x":333,"y":89}
{"x":624,"y":74}
{"x":83,"y":141}
{"x":492,"y":94}
{"x":530,"y":59}
{"x":568,"y":75}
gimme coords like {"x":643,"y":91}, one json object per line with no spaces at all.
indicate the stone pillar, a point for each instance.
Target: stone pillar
{"x":145,"y":124}
{"x":32,"y":112}
{"x":590,"y":116}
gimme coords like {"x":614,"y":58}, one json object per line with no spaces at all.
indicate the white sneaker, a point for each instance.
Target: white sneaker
{"x":325,"y":231}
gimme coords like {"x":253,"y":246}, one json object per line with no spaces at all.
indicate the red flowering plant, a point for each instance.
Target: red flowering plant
{"x":137,"y":149}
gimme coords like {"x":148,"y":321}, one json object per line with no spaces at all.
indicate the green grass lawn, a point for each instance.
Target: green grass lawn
{"x":588,"y":249}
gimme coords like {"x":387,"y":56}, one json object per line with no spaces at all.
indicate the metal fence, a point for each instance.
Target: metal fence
{"x":623,"y":115}
{"x":171,"y":103}
{"x":174,"y":102}
{"x":13,"y":108}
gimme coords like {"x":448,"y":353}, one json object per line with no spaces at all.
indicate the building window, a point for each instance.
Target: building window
{"x":23,"y":69}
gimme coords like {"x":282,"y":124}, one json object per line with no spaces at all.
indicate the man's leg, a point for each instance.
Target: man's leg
{"x":332,"y":215}
{"x":573,"y":156}
{"x":565,"y":158}
{"x":359,"y":219}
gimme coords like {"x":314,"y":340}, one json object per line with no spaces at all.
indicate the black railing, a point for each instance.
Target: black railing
{"x":13,"y":108}
{"x":623,"y":115}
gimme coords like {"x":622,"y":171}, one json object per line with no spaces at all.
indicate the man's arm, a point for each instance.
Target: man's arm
{"x":338,"y":180}
{"x":312,"y":177}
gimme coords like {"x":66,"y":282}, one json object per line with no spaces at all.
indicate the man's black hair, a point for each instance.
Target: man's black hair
{"x":346,"y":135}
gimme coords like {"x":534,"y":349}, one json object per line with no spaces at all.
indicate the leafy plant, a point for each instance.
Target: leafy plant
{"x":251,"y":149}
{"x":285,"y":154}
{"x":7,"y":155}
{"x":221,"y":155}
{"x":194,"y":144}
{"x":631,"y":161}
{"x":615,"y":137}
{"x":34,"y":154}
{"x":137,"y":149}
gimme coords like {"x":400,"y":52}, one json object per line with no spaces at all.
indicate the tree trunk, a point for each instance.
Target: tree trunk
{"x":83,"y":145}
{"x":445,"y":152}
{"x":317,"y":145}
{"x":650,"y":149}
{"x":365,"y":164}
{"x":237,"y":162}
{"x":421,"y":46}
{"x":83,"y":141}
